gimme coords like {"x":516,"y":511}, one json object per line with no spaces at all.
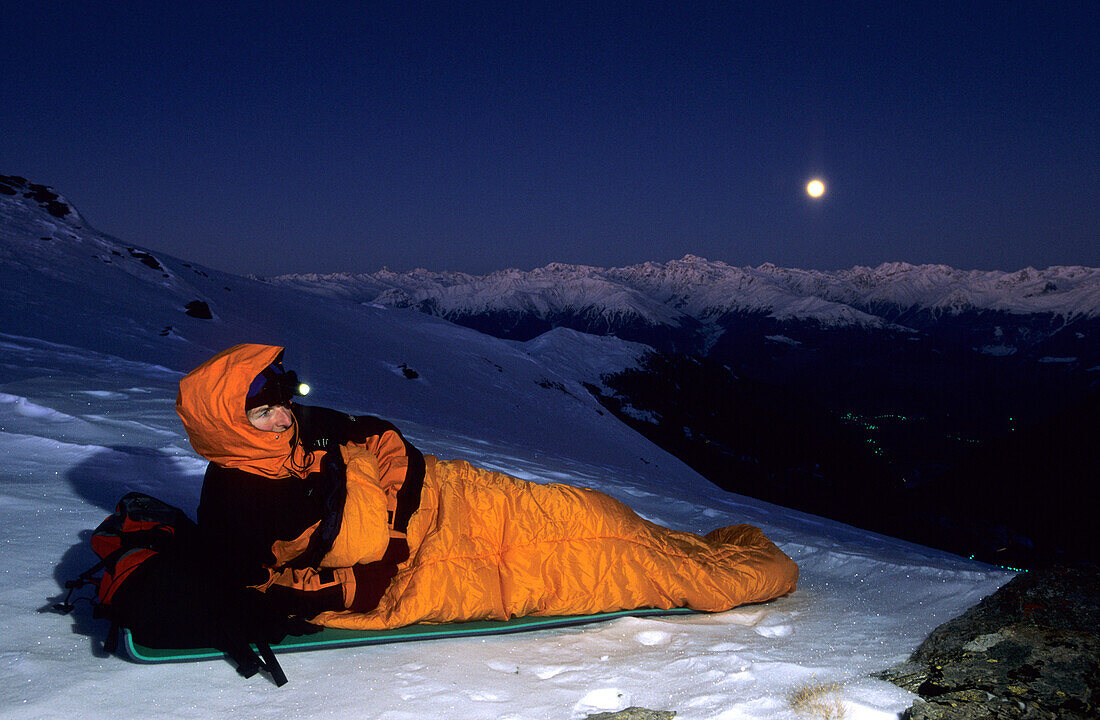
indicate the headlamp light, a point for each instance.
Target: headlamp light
{"x":274,"y":386}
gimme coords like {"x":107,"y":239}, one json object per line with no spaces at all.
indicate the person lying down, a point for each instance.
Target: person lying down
{"x":347,"y":524}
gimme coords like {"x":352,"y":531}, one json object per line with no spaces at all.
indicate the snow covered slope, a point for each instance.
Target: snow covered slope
{"x":94,"y":335}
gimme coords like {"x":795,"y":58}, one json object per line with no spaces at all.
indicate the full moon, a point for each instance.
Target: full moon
{"x":815,"y":188}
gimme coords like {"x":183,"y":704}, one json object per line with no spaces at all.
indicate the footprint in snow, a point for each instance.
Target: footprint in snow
{"x":773,"y":630}
{"x":603,"y":699}
{"x":504,"y":666}
{"x":481,"y":696}
{"x":653,"y":637}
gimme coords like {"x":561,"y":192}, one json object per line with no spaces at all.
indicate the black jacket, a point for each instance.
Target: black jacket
{"x":241,"y":514}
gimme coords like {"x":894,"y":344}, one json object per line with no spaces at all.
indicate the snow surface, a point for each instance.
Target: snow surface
{"x":92,"y":344}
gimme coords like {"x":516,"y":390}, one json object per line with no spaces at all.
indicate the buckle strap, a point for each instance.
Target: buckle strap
{"x":248,"y":663}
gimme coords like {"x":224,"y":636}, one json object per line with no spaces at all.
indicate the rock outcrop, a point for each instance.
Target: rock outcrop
{"x":1031,"y":650}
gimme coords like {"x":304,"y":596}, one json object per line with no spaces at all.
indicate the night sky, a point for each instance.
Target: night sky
{"x":321,"y":137}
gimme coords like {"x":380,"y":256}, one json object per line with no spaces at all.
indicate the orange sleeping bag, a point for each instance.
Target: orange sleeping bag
{"x":484,"y":545}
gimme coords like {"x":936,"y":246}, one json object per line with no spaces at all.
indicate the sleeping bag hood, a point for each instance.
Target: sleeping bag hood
{"x":211,"y":404}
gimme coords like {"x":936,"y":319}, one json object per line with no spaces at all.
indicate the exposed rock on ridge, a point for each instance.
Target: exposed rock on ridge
{"x":1030,"y":650}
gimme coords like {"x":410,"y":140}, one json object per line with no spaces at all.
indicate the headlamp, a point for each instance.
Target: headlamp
{"x":274,"y":386}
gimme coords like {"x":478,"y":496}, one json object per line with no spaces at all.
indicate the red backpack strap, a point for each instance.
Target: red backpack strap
{"x":127,"y":561}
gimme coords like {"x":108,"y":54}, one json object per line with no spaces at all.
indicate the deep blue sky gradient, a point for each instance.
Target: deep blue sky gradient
{"x":285,"y":137}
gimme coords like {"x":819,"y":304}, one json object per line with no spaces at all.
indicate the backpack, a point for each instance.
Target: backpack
{"x":151,"y":579}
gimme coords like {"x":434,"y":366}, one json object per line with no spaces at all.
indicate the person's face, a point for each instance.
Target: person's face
{"x":271,"y":418}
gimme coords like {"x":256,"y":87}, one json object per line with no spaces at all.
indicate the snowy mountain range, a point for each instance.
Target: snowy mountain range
{"x":94,"y":336}
{"x":690,"y":303}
